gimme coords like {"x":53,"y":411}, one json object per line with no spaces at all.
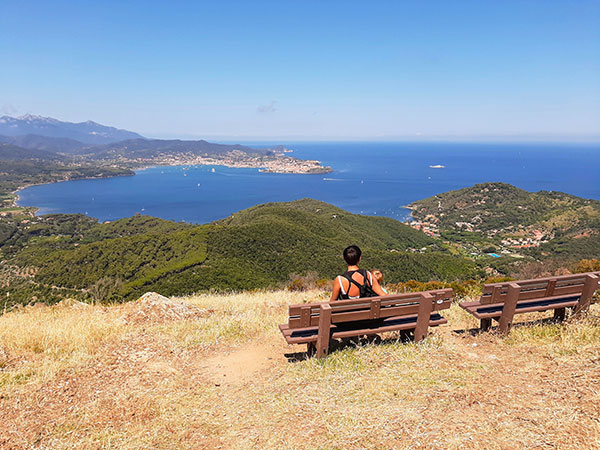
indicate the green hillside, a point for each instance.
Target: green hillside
{"x":11,"y":152}
{"x":255,"y":248}
{"x":490,"y":206}
{"x":543,"y":224}
{"x":19,"y":167}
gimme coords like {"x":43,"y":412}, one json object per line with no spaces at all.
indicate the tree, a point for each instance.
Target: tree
{"x":104,"y":288}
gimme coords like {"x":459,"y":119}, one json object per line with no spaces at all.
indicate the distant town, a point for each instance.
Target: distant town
{"x":275,"y":163}
{"x":521,"y":237}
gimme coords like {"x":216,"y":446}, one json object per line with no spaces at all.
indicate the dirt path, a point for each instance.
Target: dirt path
{"x":125,"y":379}
{"x":238,"y":366}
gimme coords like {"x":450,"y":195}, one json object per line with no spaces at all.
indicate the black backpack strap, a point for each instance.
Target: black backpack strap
{"x":367,"y":290}
{"x":348,"y":276}
{"x":365,"y":275}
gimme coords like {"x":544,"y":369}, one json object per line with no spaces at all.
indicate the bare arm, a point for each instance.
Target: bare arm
{"x":376,"y":286}
{"x":335,"y":291}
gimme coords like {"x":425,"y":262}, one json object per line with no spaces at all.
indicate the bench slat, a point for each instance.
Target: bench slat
{"x":366,"y":313}
{"x":306,"y":335}
{"x":488,"y":311}
{"x":576,"y":277}
{"x":402,"y":323}
{"x":340,"y":305}
{"x":531,"y":294}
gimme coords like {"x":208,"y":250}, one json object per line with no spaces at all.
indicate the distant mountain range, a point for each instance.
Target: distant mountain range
{"x":95,"y":141}
{"x":89,"y":132}
{"x":36,"y":149}
{"x":150,"y":148}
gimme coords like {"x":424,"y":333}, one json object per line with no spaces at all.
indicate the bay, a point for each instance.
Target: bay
{"x":374,"y":178}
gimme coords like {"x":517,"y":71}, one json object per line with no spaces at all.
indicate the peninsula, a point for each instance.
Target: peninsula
{"x":39,"y":150}
{"x":134,"y":153}
{"x":271,"y":163}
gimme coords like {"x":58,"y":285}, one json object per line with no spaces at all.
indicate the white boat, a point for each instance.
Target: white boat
{"x":437,"y":166}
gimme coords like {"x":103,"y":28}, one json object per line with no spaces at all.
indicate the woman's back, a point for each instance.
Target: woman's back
{"x":352,"y":289}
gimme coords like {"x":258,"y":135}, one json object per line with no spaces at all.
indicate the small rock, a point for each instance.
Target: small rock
{"x":153,"y":307}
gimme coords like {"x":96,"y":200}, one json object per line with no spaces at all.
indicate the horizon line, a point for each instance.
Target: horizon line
{"x":545,"y":138}
{"x":401,"y":138}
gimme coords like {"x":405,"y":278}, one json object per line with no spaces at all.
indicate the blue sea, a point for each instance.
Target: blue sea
{"x":371,"y":178}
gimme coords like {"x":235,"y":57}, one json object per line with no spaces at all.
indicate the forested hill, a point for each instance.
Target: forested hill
{"x":153,"y":148}
{"x":58,"y":255}
{"x":20,"y":167}
{"x":61,"y":145}
{"x":491,"y":206}
{"x":10,"y":152}
{"x":542,"y":224}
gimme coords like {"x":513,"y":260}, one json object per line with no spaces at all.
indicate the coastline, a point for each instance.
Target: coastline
{"x":16,"y":197}
{"x":261,"y":168}
{"x":236,"y":160}
{"x":294,"y":166}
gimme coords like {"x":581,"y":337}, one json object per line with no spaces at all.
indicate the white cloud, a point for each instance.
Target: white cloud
{"x":8,"y":109}
{"x":266,"y":109}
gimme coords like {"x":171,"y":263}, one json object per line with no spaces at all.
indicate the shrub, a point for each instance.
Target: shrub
{"x":104,"y":289}
{"x":310,"y":280}
{"x":541,"y":269}
{"x":462,"y":289}
{"x":587,"y":265}
{"x":498,"y":280}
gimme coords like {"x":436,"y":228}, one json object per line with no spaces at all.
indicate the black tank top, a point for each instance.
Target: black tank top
{"x":365,"y":289}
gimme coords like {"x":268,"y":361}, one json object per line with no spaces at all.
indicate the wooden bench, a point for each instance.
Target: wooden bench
{"x":501,"y":301}
{"x":315,"y":324}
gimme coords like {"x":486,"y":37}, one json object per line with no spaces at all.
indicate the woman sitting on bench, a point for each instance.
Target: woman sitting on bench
{"x":355,"y":283}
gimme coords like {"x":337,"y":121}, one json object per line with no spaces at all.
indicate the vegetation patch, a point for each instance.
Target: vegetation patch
{"x":254,"y":249}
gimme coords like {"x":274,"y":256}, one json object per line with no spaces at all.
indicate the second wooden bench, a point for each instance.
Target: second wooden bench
{"x":501,"y":301}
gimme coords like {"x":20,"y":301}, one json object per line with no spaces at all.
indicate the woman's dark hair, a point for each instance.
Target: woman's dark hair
{"x":352,"y":255}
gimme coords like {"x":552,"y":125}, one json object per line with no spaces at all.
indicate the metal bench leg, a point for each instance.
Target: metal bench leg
{"x":559,"y":314}
{"x":485,"y":324}
{"x":324,"y":331}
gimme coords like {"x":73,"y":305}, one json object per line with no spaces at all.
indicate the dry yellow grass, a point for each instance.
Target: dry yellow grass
{"x":37,"y":342}
{"x":94,"y":381}
{"x":238,"y":318}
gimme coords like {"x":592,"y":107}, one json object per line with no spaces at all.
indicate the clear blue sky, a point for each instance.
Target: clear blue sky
{"x":308,"y":69}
